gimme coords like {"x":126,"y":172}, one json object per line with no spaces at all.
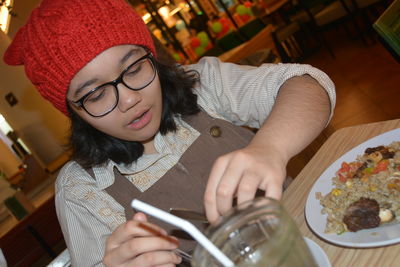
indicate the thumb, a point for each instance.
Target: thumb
{"x":140,"y":216}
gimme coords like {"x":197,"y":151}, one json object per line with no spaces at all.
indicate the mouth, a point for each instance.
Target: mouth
{"x":141,"y":121}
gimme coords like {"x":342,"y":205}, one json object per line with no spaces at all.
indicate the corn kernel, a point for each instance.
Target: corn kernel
{"x":336,"y":192}
{"x":373,"y":188}
{"x":391,"y":186}
{"x":349,"y":184}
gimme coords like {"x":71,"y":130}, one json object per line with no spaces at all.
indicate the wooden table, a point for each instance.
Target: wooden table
{"x":295,"y":196}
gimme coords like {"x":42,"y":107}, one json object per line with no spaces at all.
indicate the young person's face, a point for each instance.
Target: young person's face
{"x":137,"y":115}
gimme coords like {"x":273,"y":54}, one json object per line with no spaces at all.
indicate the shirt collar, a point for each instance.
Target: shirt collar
{"x":166,"y":145}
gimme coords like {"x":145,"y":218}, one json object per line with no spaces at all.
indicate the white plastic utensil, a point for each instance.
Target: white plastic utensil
{"x":186,"y":226}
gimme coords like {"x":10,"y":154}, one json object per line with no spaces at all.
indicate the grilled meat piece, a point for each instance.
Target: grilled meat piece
{"x":386,"y":154}
{"x":362,"y":214}
{"x":371,"y":150}
{"x":359,"y":172}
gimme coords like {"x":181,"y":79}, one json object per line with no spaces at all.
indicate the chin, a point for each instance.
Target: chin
{"x":145,"y":139}
{"x":146,"y":136}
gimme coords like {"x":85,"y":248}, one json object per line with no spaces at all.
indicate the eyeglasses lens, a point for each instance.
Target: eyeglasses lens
{"x":105,"y":98}
{"x":101,"y":101}
{"x":139,"y":75}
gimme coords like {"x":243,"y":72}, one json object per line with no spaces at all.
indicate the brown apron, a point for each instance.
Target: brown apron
{"x":184,"y":184}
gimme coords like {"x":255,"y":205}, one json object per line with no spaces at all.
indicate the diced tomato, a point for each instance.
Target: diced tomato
{"x":345,"y":167}
{"x":350,"y":175}
{"x":347,"y":171}
{"x":354,"y":166}
{"x":342,"y":177}
{"x":381,"y":166}
{"x":398,"y":167}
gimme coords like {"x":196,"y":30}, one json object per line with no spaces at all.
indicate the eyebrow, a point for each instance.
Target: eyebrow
{"x":85,"y":84}
{"x":130,"y":53}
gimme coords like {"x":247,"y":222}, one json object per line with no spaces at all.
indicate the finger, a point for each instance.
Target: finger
{"x":247,"y":188}
{"x":210,"y":199}
{"x":137,"y":246}
{"x":274,"y":190}
{"x":228,"y":185}
{"x":140,"y":216}
{"x":158,"y":258}
{"x":132,"y":229}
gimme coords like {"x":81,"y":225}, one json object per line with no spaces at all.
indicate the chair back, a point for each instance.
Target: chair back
{"x":387,"y":28}
{"x":251,"y":28}
{"x":287,"y":43}
{"x":229,"y":41}
{"x":215,"y":51}
{"x":329,"y":11}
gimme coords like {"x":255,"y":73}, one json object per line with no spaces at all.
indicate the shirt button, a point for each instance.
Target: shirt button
{"x":215,"y":131}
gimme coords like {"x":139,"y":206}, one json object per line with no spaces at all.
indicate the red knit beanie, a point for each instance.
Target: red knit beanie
{"x":62,"y":36}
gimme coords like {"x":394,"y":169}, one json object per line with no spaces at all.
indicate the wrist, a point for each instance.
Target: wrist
{"x":269,"y":148}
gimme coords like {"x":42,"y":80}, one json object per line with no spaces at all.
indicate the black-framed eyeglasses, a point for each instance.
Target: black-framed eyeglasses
{"x":103,"y":99}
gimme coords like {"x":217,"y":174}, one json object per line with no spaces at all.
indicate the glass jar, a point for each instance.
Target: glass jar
{"x":256,"y":233}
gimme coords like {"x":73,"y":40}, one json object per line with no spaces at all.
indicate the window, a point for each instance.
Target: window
{"x":5,"y":15}
{"x":5,"y":128}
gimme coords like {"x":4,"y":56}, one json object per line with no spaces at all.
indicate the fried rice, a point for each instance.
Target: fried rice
{"x":374,"y":175}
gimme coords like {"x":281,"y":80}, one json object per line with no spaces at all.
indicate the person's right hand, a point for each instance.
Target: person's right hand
{"x":140,"y":243}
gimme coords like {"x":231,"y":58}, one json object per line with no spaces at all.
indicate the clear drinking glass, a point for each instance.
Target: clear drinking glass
{"x":256,"y":233}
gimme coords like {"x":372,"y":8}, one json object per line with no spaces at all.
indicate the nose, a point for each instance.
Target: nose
{"x":128,"y":98}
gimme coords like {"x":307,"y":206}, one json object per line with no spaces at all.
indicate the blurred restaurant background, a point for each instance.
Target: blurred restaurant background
{"x":344,"y":38}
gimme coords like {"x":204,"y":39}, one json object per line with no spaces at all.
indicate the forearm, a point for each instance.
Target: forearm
{"x":300,"y":113}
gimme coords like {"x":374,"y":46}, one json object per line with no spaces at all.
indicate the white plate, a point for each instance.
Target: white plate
{"x":321,"y":259}
{"x":380,"y":236}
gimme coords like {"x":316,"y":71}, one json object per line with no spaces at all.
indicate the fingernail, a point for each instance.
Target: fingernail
{"x":163,"y":232}
{"x":174,"y":240}
{"x":173,"y":246}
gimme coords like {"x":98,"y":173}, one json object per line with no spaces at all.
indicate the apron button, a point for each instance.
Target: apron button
{"x":215,"y":131}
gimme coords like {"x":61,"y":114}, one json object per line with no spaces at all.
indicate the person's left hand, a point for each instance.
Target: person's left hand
{"x":239,"y":174}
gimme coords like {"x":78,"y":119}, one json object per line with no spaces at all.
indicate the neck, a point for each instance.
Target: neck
{"x":149,"y":147}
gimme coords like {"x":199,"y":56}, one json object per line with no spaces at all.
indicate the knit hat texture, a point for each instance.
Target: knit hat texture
{"x":61,"y":37}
